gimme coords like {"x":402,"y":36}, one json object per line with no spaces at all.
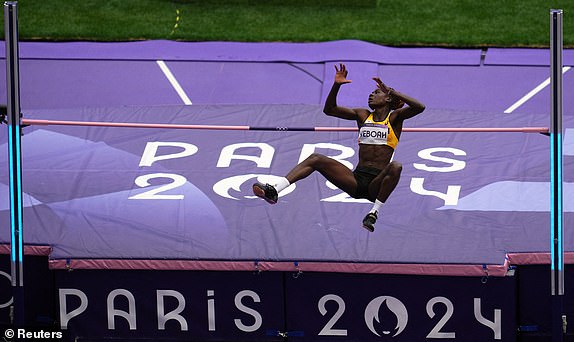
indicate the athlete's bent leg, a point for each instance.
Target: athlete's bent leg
{"x":380,"y":189}
{"x":334,"y":171}
{"x":383,"y":185}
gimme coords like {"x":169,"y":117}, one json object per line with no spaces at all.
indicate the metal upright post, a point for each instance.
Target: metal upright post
{"x":15,"y":157}
{"x":556,"y":208}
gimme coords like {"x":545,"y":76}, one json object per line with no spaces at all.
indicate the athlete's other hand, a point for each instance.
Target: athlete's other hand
{"x":384,"y":88}
{"x":389,"y":91}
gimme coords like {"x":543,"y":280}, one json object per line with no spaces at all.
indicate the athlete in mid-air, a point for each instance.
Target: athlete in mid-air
{"x":375,"y":176}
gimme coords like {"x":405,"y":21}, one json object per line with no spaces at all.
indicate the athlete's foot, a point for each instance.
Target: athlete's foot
{"x":369,"y":222}
{"x":265,"y":191}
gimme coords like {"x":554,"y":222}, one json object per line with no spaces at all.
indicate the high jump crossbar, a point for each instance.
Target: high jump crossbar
{"x":543,"y":130}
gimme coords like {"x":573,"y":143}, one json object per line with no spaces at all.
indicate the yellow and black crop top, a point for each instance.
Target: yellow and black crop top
{"x":373,"y":132}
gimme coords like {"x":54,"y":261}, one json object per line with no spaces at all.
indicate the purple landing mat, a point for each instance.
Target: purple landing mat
{"x":55,"y":79}
{"x":60,"y":84}
{"x":348,"y":50}
{"x":540,"y":57}
{"x":125,"y":193}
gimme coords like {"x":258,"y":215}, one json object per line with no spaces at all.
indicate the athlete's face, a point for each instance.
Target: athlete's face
{"x":378,"y":98}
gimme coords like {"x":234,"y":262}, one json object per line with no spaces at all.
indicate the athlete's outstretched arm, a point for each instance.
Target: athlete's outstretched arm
{"x":413,"y":108}
{"x":331,"y":108}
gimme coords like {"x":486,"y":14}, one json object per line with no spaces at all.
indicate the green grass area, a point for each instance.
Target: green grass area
{"x":455,"y":23}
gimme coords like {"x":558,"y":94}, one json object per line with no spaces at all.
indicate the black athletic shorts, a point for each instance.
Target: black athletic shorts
{"x":364,"y":176}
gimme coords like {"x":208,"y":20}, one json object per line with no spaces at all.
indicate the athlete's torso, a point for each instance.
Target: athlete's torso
{"x":377,"y":142}
{"x":373,"y":132}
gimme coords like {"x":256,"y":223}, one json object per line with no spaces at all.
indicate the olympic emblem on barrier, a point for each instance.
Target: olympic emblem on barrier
{"x":393,"y":305}
{"x":9,"y":302}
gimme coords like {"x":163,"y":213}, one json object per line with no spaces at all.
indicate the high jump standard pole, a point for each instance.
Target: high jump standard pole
{"x":556,"y":208}
{"x":15,"y":158}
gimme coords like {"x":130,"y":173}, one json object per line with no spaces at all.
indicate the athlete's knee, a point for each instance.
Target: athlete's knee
{"x":315,"y":159}
{"x":395,"y":169}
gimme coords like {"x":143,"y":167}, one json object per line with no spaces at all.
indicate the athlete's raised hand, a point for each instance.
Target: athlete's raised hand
{"x":341,"y":74}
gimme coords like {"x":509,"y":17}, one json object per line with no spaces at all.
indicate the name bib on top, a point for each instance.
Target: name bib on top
{"x":373,"y":134}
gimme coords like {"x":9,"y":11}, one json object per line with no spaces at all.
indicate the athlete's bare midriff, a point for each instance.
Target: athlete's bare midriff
{"x":377,"y":156}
